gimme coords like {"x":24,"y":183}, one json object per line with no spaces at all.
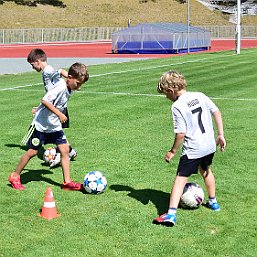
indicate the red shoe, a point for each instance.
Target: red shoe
{"x":71,"y":186}
{"x":166,"y":219}
{"x":16,"y":183}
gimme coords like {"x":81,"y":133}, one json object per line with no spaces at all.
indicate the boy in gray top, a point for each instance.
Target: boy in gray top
{"x":48,"y":126}
{"x":37,"y":58}
{"x":192,"y":114}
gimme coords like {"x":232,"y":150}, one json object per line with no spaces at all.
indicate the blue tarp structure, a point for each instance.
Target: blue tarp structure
{"x":147,"y":38}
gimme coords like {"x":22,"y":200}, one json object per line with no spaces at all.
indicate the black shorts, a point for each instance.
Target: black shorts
{"x":38,"y":139}
{"x":187,"y":167}
{"x":66,"y":124}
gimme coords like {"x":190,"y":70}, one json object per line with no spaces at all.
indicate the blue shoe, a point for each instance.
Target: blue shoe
{"x":166,"y":219}
{"x":214,"y":206}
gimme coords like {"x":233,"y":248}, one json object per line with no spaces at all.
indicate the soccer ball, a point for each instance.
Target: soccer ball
{"x":95,"y":182}
{"x":192,"y":196}
{"x":49,"y":155}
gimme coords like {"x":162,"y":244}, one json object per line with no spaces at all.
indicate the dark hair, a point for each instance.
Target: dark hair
{"x":36,"y":54}
{"x":79,"y":71}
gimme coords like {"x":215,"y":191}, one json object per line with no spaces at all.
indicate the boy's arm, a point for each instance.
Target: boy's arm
{"x":63,"y":73}
{"x":220,"y":140}
{"x":178,"y":140}
{"x":53,"y":109}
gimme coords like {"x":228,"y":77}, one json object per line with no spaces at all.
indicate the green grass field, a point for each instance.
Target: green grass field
{"x":121,"y":126}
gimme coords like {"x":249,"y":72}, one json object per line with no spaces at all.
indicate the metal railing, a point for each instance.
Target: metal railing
{"x":45,"y":35}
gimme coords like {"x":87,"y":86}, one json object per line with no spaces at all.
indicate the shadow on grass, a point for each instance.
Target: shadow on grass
{"x":38,"y":175}
{"x":34,"y":3}
{"x":24,"y":148}
{"x":159,"y":198}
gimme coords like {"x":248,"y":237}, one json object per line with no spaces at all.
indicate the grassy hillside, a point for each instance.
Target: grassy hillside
{"x":84,"y":13}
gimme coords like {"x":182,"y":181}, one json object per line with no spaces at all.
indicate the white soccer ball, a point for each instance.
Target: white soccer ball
{"x":95,"y":182}
{"x":192,"y":196}
{"x":49,"y":155}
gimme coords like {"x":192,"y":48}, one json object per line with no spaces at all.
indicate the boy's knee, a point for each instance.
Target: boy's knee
{"x":205,"y":173}
{"x":32,"y":152}
{"x":64,"y":149}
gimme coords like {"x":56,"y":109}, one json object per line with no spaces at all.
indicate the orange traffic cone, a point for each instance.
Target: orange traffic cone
{"x":49,"y":209}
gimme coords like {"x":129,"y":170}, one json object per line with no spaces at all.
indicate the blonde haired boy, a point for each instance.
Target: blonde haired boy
{"x":192,"y":114}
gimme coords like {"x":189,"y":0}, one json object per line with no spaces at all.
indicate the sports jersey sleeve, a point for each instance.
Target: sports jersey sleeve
{"x":210,"y":104}
{"x":50,"y":77}
{"x":178,"y":121}
{"x":51,"y":96}
{"x":58,"y":96}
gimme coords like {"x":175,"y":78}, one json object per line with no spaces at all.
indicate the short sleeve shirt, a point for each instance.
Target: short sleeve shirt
{"x":45,"y":120}
{"x":192,"y":115}
{"x":50,"y":77}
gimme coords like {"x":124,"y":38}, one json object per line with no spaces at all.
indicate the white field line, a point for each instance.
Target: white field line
{"x":148,"y":68}
{"x":19,"y":87}
{"x":146,"y":95}
{"x":234,"y":99}
{"x":139,"y":94}
{"x":159,"y":95}
{"x":119,"y":72}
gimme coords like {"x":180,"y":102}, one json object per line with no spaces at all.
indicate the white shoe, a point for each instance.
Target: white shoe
{"x":56,"y":161}
{"x":72,"y":154}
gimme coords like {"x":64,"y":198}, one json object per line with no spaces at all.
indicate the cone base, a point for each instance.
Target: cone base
{"x":48,"y":218}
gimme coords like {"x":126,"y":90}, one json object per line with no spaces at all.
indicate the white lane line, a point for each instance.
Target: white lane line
{"x":132,"y":94}
{"x":19,"y":87}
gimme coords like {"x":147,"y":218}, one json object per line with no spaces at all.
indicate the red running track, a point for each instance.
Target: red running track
{"x":103,"y":49}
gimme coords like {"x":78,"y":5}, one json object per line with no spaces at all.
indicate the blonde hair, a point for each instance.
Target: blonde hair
{"x":171,"y":80}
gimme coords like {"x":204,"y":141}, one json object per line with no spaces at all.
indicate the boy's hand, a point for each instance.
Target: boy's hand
{"x":34,"y":110}
{"x":169,"y":156}
{"x":221,"y":141}
{"x":62,"y":118}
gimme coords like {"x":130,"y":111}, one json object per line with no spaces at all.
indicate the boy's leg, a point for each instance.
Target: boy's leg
{"x":209,"y":181}
{"x":169,"y":219}
{"x":177,"y":191}
{"x":14,"y":177}
{"x":72,"y":153}
{"x":68,"y":184}
{"x":57,"y":161}
{"x":64,"y":150}
{"x":186,"y":168}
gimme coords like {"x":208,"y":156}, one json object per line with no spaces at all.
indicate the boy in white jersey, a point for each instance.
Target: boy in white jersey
{"x":48,"y":126}
{"x":38,"y":60}
{"x":192,"y":117}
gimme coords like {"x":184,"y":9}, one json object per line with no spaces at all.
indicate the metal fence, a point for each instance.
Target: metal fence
{"x":228,"y":32}
{"x":45,"y":35}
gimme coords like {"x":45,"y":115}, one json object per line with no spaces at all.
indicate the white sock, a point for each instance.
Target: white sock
{"x":212,"y":200}
{"x":172,"y":211}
